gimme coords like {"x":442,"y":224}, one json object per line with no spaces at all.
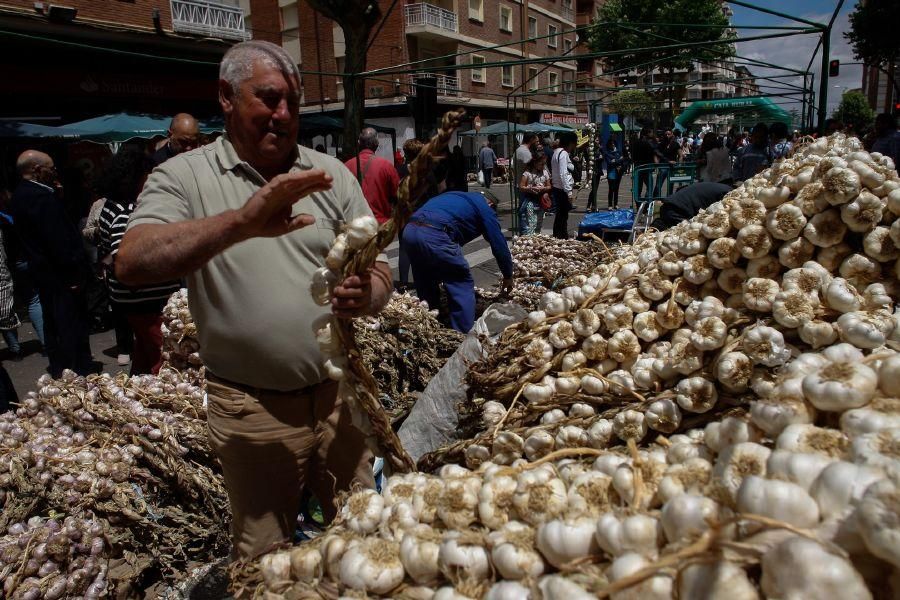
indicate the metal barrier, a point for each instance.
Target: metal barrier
{"x":647,"y":190}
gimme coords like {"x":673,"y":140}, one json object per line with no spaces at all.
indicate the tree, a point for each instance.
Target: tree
{"x":624,"y":26}
{"x":633,"y":103}
{"x":854,"y":110}
{"x":356,"y":18}
{"x":873,"y":35}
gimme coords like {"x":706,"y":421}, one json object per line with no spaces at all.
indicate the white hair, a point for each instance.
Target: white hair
{"x":237,"y":64}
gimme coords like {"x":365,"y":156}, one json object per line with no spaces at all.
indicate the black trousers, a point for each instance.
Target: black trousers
{"x":66,"y":329}
{"x":561,"y":208}
{"x":614,"y":191}
{"x":595,"y":183}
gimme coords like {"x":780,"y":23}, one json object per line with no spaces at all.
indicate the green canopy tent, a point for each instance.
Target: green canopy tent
{"x":121,"y":127}
{"x":759,"y":107}
{"x":18,"y":130}
{"x":501,"y":128}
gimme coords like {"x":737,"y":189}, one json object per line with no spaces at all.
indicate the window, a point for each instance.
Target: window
{"x":567,"y":46}
{"x":290,"y":32}
{"x":598,"y":69}
{"x":532,"y":78}
{"x":478,"y":74}
{"x":554,"y":82}
{"x":476,"y":10}
{"x":506,"y":19}
{"x":552,"y":32}
{"x":506,"y":76}
{"x":532,"y":27}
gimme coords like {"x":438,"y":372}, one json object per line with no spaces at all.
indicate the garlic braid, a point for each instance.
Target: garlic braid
{"x":361,"y":380}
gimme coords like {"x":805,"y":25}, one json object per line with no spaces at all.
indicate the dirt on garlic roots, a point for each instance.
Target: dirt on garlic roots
{"x":713,"y":410}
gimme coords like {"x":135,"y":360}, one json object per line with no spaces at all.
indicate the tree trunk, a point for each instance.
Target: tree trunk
{"x":354,"y":87}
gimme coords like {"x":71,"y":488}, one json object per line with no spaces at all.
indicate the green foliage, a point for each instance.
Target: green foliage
{"x":631,"y":102}
{"x":854,"y":110}
{"x":873,"y":31}
{"x":624,"y":25}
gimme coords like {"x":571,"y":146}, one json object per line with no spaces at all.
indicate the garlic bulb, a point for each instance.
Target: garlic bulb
{"x":630,"y":424}
{"x":759,"y":294}
{"x":637,"y":533}
{"x":825,"y":229}
{"x":562,"y":335}
{"x":458,"y":503}
{"x":462,"y":556}
{"x":372,"y":565}
{"x":536,"y":318}
{"x":811,"y":199}
{"x":738,"y":461}
{"x":540,"y":496}
{"x":840,"y":185}
{"x":765,"y":345}
{"x":687,"y":515}
{"x":786,"y":222}
{"x":863,"y":213}
{"x":646,"y":326}
{"x":865,"y":329}
{"x":360,"y":230}
{"x":585,"y":322}
{"x":753,"y":241}
{"x":663,"y":415}
{"x":563,"y":541}
{"x":623,"y":346}
{"x":780,"y":500}
{"x":721,"y":252}
{"x":772,"y":197}
{"x":362,"y":512}
{"x":538,"y":352}
{"x":877,"y":516}
{"x":801,"y":568}
{"x":594,"y":347}
{"x":338,"y":253}
{"x":733,"y":371}
{"x":617,"y":317}
{"x":695,"y":394}
{"x":322,"y":285}
{"x":793,"y":308}
{"x":513,"y":553}
{"x":840,"y":386}
{"x":716,"y":580}
{"x":747,"y":211}
{"x":879,"y":244}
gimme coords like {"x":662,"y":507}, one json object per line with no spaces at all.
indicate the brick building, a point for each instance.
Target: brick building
{"x":447,"y":40}
{"x":880,"y":89}
{"x":65,"y":60}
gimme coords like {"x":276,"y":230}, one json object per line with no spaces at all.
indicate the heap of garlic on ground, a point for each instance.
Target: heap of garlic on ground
{"x":715,"y":412}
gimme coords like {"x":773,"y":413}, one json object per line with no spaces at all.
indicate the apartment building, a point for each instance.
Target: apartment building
{"x":64,"y":60}
{"x":445,"y":41}
{"x":880,"y":89}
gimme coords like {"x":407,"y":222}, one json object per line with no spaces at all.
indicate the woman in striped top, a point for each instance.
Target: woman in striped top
{"x":120,"y":184}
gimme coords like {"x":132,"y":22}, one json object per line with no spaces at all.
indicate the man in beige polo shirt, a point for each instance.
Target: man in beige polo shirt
{"x":247,"y":220}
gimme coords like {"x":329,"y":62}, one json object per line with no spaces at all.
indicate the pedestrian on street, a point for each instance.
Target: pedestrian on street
{"x":377,"y":176}
{"x":434,"y":239}
{"x":781,"y":147}
{"x":713,"y":160}
{"x":646,"y":152}
{"x":486,"y":161}
{"x":563,"y":184}
{"x":23,"y":283}
{"x":57,"y":262}
{"x":614,"y":167}
{"x":754,"y":157}
{"x":886,"y":137}
{"x":9,"y":320}
{"x":248,"y":220}
{"x":184,"y":135}
{"x":523,"y":155}
{"x":533,"y":185}
{"x":456,"y":172}
{"x":137,"y":310}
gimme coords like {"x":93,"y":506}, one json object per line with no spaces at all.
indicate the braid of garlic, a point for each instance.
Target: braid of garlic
{"x":364,"y":385}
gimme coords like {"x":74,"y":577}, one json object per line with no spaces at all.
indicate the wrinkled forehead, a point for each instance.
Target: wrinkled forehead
{"x":269,"y":78}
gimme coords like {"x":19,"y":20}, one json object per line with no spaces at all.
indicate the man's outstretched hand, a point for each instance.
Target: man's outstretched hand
{"x":268,"y":212}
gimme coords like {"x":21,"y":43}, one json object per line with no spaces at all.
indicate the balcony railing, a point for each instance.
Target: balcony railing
{"x":567,"y":13}
{"x":446,"y":84}
{"x":212,"y":19}
{"x":424,"y":14}
{"x":568,"y":99}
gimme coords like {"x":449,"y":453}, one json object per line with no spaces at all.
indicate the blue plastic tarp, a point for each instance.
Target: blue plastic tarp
{"x":597,"y":222}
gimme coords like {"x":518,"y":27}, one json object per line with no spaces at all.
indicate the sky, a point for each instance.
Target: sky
{"x":794,"y":51}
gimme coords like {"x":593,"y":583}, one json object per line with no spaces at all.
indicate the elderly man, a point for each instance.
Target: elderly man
{"x":184,"y":135}
{"x":56,"y":261}
{"x":379,"y":179}
{"x":247,"y":220}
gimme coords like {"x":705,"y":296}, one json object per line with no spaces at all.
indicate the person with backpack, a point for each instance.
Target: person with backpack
{"x":563,"y":184}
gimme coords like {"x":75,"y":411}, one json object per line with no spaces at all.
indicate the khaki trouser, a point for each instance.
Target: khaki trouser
{"x":272,"y":443}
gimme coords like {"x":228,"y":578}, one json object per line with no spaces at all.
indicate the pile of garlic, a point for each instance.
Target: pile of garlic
{"x":53,"y":559}
{"x":181,"y":349}
{"x":130,"y":455}
{"x":714,"y":412}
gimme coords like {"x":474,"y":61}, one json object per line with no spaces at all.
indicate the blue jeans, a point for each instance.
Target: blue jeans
{"x":437,"y":259}
{"x":11,"y":337}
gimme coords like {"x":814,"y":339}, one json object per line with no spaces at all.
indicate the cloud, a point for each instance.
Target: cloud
{"x":794,"y":52}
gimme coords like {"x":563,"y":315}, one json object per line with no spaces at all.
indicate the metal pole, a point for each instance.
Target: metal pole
{"x":823,"y":82}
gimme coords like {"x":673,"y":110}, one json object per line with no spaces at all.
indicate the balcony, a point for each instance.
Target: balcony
{"x":567,"y":13}
{"x":446,"y":85}
{"x":429,"y":20}
{"x":210,"y":19}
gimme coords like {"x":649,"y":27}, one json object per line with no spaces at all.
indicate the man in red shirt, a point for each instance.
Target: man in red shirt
{"x":379,"y":179}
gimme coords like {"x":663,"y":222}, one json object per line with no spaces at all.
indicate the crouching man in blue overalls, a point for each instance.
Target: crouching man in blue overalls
{"x":433,"y":240}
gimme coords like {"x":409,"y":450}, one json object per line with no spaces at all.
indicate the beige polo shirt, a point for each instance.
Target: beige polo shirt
{"x":252,"y":305}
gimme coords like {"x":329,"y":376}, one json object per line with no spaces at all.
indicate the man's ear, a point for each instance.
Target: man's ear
{"x":226,"y":97}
